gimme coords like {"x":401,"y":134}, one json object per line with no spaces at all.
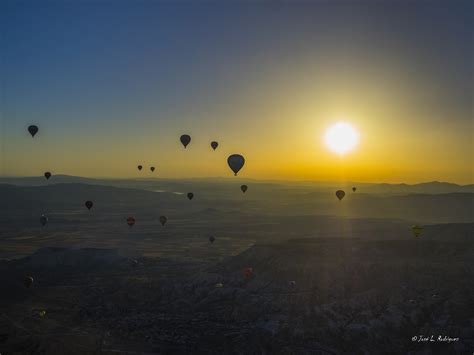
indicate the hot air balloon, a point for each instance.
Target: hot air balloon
{"x":244,"y":188}
{"x":185,"y":139}
{"x":163,"y":220}
{"x":43,"y":220}
{"x":214,"y":145}
{"x":47,"y":175}
{"x":212,"y":239}
{"x":190,"y":195}
{"x":417,"y":230}
{"x":235,"y":162}
{"x":340,"y":194}
{"x":139,"y":167}
{"x":152,"y":168}
{"x":33,"y":130}
{"x":248,"y":272}
{"x":28,"y":281}
{"x":354,"y":189}
{"x":130,"y":221}
{"x":89,"y":204}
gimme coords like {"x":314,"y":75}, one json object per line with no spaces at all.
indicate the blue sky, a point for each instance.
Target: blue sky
{"x":102,"y":76}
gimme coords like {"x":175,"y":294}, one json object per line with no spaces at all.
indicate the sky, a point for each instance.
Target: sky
{"x":113,"y":84}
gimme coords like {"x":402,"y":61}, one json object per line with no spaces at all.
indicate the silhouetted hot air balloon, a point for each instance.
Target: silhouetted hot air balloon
{"x":235,"y":162}
{"x":354,"y":189}
{"x":190,"y":195}
{"x":130,"y":221}
{"x":43,"y":220}
{"x":28,"y":281}
{"x":244,"y":188}
{"x":33,"y":130}
{"x":185,"y":139}
{"x":214,"y":145}
{"x":340,"y":194}
{"x":47,"y":175}
{"x":152,"y":168}
{"x":163,"y":220}
{"x":212,"y":239}
{"x":248,"y":272}
{"x":139,"y":167}
{"x":89,"y":204}
{"x":417,"y":230}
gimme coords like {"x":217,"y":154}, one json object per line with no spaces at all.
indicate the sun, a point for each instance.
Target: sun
{"x":341,"y":137}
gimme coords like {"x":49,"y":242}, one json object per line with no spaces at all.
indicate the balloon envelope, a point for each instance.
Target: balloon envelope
{"x":28,"y":281}
{"x":33,"y":130}
{"x":248,"y":271}
{"x":152,"y":168}
{"x":417,"y":230}
{"x":190,"y":195}
{"x":43,"y":220}
{"x":214,"y":145}
{"x":235,"y":162}
{"x":47,"y":175}
{"x":163,"y":220}
{"x":139,"y":167}
{"x":130,"y":221}
{"x":354,"y":189}
{"x":244,"y":188}
{"x":89,"y":204}
{"x":340,"y":194}
{"x":185,"y":139}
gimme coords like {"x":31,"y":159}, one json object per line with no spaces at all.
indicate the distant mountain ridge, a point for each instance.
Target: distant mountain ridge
{"x":147,"y":183}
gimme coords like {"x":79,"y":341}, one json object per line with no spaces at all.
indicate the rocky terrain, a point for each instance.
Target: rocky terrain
{"x":306,"y":296}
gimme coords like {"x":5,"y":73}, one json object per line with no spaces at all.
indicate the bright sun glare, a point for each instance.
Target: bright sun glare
{"x":341,"y":137}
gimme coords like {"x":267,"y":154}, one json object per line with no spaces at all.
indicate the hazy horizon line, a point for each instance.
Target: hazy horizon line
{"x":238,"y":178}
